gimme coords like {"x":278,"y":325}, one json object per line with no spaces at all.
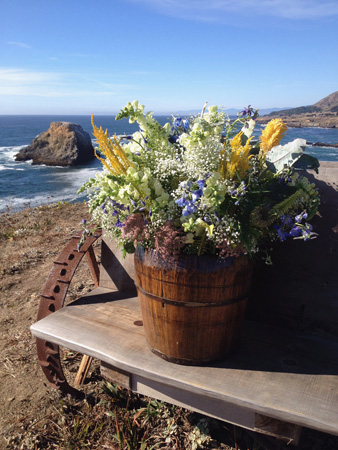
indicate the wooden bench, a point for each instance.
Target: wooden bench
{"x":284,"y":373}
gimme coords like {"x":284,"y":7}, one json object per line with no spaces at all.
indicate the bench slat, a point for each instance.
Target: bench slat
{"x":273,"y":373}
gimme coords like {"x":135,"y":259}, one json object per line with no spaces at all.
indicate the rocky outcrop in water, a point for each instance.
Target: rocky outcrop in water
{"x":321,"y":144}
{"x":64,"y":144}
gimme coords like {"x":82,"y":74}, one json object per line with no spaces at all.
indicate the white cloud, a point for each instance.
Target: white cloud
{"x":19,"y":44}
{"x":14,"y":77}
{"x":217,"y":10}
{"x":22,"y":82}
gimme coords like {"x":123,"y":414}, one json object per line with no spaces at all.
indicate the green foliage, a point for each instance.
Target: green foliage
{"x":306,"y":162}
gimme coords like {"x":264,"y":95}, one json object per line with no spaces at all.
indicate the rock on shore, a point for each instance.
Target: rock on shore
{"x":64,"y":144}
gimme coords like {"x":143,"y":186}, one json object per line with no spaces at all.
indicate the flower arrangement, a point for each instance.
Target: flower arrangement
{"x":202,"y":184}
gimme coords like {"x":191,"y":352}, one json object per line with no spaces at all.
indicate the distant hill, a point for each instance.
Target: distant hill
{"x":327,"y":104}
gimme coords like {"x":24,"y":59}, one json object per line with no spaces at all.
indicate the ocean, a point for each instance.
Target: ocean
{"x":23,"y":185}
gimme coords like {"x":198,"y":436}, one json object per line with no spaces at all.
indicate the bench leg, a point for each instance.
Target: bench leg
{"x":83,"y":370}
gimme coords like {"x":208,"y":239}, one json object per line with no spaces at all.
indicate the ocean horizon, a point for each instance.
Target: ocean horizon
{"x":23,"y":185}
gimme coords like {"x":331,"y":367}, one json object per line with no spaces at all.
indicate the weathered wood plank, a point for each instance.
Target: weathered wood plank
{"x":273,"y":373}
{"x":215,"y":408}
{"x":116,"y":272}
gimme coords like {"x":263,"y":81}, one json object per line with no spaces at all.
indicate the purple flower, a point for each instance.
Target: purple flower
{"x":133,"y":202}
{"x":119,"y":224}
{"x":247,"y":111}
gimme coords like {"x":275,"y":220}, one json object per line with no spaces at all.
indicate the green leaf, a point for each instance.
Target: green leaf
{"x":129,"y":247}
{"x":306,"y":162}
{"x":286,"y":155}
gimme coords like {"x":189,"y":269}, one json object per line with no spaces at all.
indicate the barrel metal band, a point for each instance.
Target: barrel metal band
{"x":190,"y":304}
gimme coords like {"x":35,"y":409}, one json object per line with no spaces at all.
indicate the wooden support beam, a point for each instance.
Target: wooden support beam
{"x":83,"y":370}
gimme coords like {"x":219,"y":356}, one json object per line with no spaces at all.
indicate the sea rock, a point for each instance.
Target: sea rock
{"x":322,"y":144}
{"x":64,"y":144}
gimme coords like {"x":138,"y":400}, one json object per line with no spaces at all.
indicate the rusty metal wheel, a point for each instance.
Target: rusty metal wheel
{"x":53,"y":298}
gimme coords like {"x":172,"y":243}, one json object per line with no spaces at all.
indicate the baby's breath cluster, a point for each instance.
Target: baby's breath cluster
{"x":201,"y":184}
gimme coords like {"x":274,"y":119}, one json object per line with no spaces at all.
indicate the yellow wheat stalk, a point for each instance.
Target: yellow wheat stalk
{"x":271,"y":135}
{"x":238,"y":164}
{"x":115,"y":160}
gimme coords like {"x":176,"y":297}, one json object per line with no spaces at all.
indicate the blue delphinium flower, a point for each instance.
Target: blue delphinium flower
{"x":296,"y":231}
{"x":103,"y":207}
{"x":119,"y":223}
{"x":181,"y":201}
{"x":307,"y":232}
{"x":294,"y":228}
{"x":190,"y":208}
{"x":185,"y":124}
{"x":195,"y":195}
{"x":190,"y":197}
{"x":178,"y":127}
{"x":176,"y":123}
{"x":286,"y":220}
{"x":239,"y":192}
{"x":186,"y":184}
{"x":301,"y":216}
{"x":281,"y":233}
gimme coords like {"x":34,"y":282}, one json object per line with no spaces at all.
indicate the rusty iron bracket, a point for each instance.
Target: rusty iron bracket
{"x":53,"y":298}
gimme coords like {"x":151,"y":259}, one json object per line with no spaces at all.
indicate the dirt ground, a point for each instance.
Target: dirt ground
{"x":29,"y":408}
{"x":29,"y":242}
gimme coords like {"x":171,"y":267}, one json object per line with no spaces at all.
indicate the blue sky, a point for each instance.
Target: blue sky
{"x":82,"y":57}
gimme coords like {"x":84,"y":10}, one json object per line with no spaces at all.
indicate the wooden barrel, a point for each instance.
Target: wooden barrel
{"x":192,"y":306}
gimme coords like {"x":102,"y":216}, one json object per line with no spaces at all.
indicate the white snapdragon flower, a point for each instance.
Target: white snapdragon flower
{"x":249,"y":128}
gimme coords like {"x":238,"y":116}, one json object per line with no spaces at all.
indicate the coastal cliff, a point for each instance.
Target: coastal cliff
{"x":322,"y":114}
